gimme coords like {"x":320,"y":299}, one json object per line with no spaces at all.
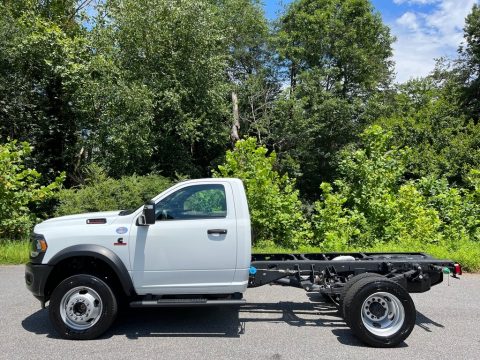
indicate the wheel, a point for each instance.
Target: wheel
{"x":82,"y":307}
{"x":352,"y":282}
{"x":380,"y":312}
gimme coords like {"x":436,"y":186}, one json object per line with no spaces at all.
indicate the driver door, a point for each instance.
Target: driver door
{"x":191,"y":248}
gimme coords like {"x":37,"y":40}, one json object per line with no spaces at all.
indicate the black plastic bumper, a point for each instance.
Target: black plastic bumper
{"x":36,"y":276}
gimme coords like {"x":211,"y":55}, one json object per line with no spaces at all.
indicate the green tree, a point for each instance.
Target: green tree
{"x":174,"y":56}
{"x":19,"y":189}
{"x":460,"y":77}
{"x":443,"y":141}
{"x":344,"y":41}
{"x":275,"y":208}
{"x":40,"y":68}
{"x":338,"y":55}
{"x":468,"y":65}
{"x":252,"y":68}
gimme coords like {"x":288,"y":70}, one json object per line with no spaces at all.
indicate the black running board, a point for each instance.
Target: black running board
{"x":184,"y":303}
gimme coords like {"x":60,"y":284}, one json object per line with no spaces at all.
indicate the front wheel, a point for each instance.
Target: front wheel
{"x":82,"y":307}
{"x":380,"y":312}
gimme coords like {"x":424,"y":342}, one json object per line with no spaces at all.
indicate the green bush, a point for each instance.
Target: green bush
{"x":458,"y":208}
{"x":19,"y":189}
{"x":275,"y":208}
{"x":101,"y":193}
{"x":372,"y":206}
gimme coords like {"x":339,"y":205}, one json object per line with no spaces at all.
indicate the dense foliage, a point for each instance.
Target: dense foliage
{"x":334,"y":154}
{"x":372,"y":203}
{"x":102,"y":193}
{"x":19,"y":189}
{"x":275,"y":207}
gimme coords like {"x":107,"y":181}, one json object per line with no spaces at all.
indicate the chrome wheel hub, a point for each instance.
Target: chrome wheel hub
{"x":81,"y":308}
{"x":383,"y":314}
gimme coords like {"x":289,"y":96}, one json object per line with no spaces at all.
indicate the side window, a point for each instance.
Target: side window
{"x":193,"y":202}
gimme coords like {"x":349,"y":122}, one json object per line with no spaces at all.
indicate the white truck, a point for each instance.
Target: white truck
{"x":191,"y":246}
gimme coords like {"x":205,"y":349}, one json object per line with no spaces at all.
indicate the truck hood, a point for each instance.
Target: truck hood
{"x":79,"y":219}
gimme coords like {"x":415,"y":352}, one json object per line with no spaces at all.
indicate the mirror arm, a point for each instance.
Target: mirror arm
{"x":141,"y":220}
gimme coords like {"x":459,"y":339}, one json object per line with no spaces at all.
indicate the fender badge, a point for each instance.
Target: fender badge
{"x":119,"y":242}
{"x":121,"y":230}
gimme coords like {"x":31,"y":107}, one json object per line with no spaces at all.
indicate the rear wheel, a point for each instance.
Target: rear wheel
{"x":352,"y":282}
{"x":380,"y":312}
{"x":82,"y":307}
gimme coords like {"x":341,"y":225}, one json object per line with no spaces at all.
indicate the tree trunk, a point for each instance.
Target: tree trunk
{"x":236,"y":119}
{"x":293,"y":77}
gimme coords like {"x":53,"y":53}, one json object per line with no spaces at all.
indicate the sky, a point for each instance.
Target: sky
{"x":425,"y":30}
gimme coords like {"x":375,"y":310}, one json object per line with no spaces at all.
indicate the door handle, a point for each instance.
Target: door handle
{"x":217,"y":231}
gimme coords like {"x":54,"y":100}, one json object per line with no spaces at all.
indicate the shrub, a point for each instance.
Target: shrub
{"x":372,"y":206}
{"x":275,"y":208}
{"x":458,"y":208}
{"x":101,"y":193}
{"x":19,"y":189}
{"x":335,"y":226}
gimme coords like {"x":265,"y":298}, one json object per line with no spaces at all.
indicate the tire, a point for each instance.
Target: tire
{"x":82,"y":307}
{"x":352,"y":282}
{"x":380,"y":312}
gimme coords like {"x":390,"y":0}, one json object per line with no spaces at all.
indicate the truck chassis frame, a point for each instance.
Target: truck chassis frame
{"x":327,"y":273}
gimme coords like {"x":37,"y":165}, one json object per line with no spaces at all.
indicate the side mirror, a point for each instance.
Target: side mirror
{"x":148,"y":216}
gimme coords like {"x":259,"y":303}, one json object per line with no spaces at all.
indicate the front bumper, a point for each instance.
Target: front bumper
{"x":36,"y":276}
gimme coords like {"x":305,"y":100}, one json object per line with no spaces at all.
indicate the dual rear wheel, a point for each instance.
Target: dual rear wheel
{"x":379,"y":311}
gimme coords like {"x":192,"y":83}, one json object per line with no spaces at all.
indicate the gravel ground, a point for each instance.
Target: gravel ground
{"x":278,"y":323}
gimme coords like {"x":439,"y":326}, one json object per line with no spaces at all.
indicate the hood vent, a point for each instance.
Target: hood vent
{"x":97,"y":221}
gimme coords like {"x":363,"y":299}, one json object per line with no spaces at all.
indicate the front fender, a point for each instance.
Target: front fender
{"x":101,"y":253}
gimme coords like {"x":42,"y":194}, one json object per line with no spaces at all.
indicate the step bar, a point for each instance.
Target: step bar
{"x":185,"y":303}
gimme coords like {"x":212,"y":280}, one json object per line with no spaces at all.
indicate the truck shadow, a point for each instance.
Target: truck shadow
{"x":346,"y":337}
{"x":229,"y":322}
{"x":203,"y":322}
{"x":423,"y":322}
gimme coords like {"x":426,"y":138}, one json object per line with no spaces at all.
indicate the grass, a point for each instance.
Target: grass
{"x":467,"y":254}
{"x":13,"y":252}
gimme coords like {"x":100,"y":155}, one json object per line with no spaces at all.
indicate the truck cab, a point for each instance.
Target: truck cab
{"x":198,"y":240}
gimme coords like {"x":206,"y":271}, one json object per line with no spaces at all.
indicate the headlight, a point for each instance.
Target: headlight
{"x":38,"y":245}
